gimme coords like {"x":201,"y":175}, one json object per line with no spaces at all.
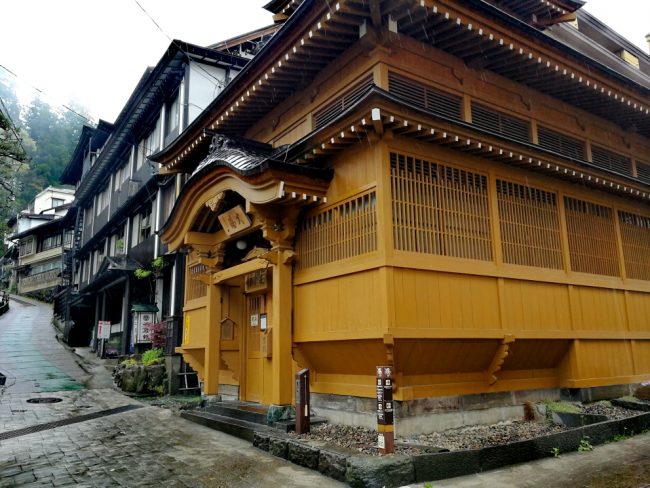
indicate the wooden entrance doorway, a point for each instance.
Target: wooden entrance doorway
{"x":254,"y":363}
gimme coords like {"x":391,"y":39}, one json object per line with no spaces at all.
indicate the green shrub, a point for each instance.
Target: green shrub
{"x":585,"y":446}
{"x":562,"y":407}
{"x":129,"y":362}
{"x":152,"y":356}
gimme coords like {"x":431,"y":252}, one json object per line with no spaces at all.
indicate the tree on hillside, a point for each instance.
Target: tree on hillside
{"x":55,"y":134}
{"x":13,"y":158}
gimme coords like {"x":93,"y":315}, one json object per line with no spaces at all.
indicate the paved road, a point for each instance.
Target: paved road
{"x":145,"y":446}
{"x":30,"y":357}
{"x":624,"y":464}
{"x":75,"y":443}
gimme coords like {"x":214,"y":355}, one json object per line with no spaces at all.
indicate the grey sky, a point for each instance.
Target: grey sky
{"x":95,"y":51}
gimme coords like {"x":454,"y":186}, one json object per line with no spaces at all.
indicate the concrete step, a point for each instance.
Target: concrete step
{"x":232,"y":426}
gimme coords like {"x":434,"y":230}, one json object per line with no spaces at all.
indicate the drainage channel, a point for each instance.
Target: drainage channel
{"x":74,"y":420}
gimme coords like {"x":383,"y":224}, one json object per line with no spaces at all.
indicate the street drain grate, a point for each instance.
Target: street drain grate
{"x":74,"y":420}
{"x":44,"y":400}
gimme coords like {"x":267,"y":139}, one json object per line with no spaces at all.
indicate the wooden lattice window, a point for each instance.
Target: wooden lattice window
{"x":530,"y":226}
{"x":592,"y":237}
{"x":635,"y":234}
{"x":193,"y":287}
{"x":439,"y":209}
{"x":344,"y":230}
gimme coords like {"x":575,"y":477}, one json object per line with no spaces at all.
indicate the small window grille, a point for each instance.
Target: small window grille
{"x":643,"y":172}
{"x":422,"y":96}
{"x":331,"y":111}
{"x":611,"y":161}
{"x":195,"y":288}
{"x":561,"y":144}
{"x":500,"y":123}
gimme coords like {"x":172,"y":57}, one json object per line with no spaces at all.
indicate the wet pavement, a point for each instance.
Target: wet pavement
{"x":96,"y":436}
{"x":30,"y":357}
{"x":623,"y":464}
{"x":100,"y":437}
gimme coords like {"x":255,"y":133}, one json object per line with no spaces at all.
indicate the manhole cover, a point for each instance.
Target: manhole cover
{"x":44,"y":400}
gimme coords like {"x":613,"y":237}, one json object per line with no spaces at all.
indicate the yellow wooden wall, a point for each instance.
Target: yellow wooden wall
{"x":442,"y":318}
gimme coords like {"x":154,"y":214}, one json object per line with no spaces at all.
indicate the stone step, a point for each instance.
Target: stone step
{"x":238,"y":411}
{"x":231,"y":426}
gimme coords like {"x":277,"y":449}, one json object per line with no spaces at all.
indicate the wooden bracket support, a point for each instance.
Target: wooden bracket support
{"x":500,"y":356}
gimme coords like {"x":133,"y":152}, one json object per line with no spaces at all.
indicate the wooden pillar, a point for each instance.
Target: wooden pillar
{"x":281,"y":328}
{"x":279,"y":226}
{"x":213,"y":346}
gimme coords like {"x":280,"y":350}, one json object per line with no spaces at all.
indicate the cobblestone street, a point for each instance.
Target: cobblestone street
{"x":144,"y":446}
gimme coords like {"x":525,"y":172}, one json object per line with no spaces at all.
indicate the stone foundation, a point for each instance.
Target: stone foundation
{"x":229,"y":393}
{"x":426,"y":415}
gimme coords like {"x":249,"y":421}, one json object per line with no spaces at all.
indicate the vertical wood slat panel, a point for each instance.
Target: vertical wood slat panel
{"x":345,"y":230}
{"x":592,"y":237}
{"x":530,"y":225}
{"x":439,"y":209}
{"x":635,"y":233}
{"x":194,"y":288}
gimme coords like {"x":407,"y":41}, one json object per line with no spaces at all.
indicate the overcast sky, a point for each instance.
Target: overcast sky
{"x":95,"y":51}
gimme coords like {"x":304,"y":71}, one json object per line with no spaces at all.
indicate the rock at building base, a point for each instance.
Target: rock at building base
{"x":388,"y":471}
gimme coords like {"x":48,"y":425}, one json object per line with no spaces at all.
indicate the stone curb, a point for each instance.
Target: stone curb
{"x":361,"y":471}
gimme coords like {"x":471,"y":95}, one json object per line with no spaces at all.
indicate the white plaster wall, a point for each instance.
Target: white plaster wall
{"x":203,"y":87}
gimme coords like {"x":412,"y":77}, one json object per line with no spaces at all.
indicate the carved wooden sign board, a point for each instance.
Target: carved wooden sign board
{"x":234,"y":220}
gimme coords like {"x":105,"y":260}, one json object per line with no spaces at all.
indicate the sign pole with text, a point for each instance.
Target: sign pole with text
{"x":385,"y":420}
{"x":302,"y":402}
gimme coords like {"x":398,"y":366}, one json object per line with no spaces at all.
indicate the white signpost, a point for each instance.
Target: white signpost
{"x":103,"y":329}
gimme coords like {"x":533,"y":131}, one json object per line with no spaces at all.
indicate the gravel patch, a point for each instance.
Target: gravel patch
{"x":611,"y":411}
{"x":479,"y":436}
{"x":362,"y":440}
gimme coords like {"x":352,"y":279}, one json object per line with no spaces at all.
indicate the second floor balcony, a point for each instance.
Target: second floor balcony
{"x":39,"y":281}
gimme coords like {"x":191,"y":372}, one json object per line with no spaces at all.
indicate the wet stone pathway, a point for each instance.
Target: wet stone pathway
{"x":102,"y":438}
{"x":30,"y":357}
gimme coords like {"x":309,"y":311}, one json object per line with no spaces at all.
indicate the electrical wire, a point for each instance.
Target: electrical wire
{"x":180,"y":48}
{"x":43,"y":93}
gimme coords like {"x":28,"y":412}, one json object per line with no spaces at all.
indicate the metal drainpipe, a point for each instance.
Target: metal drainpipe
{"x":156,"y":242}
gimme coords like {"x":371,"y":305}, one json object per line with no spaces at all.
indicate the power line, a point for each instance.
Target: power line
{"x":43,"y":93}
{"x":180,"y":48}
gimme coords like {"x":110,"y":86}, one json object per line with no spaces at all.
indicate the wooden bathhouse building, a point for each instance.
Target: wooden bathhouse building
{"x":458,"y":189}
